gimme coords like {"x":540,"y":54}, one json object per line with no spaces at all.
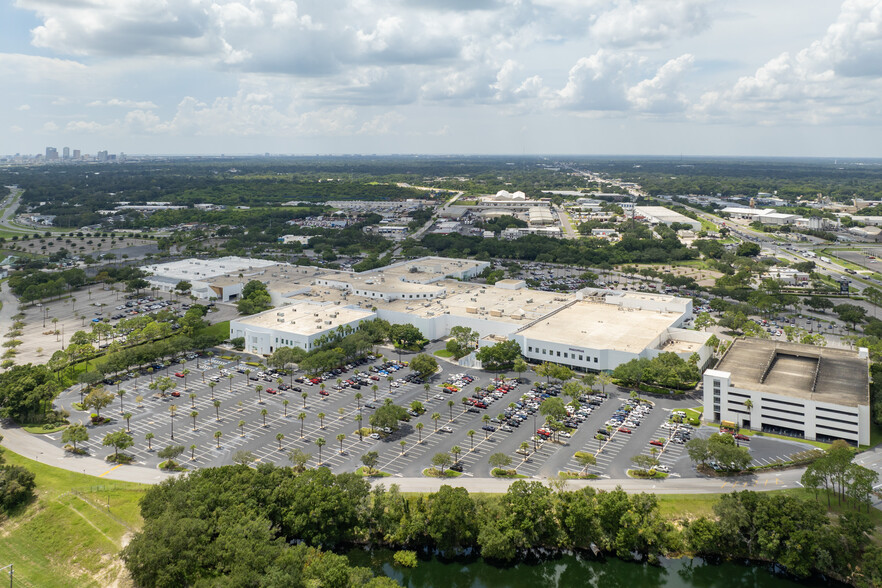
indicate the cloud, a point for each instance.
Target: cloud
{"x":145,"y":104}
{"x":24,"y":107}
{"x":34,"y":69}
{"x":49,"y":127}
{"x":837,"y":77}
{"x":630,"y":23}
{"x":659,"y":93}
{"x":596,"y":83}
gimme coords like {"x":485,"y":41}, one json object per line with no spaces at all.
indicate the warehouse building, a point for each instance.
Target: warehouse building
{"x":799,"y":390}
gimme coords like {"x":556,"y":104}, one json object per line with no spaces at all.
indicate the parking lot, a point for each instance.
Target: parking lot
{"x":248,"y":417}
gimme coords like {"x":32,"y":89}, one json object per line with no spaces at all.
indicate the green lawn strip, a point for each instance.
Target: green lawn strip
{"x":575,"y":476}
{"x":434,"y":473}
{"x":39,"y":430}
{"x":443,"y":353}
{"x":71,"y":534}
{"x":644,"y":475}
{"x":499,"y":473}
{"x":363,"y":471}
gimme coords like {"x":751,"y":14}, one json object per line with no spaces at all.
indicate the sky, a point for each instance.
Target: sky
{"x":665,"y":77}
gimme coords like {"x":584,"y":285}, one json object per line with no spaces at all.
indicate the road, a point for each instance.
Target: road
{"x":10,"y":206}
{"x":566,"y":223}
{"x":422,"y":230}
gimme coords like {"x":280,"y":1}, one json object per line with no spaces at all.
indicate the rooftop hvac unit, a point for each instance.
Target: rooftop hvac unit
{"x":280,"y":314}
{"x":281,"y":320}
{"x":327,"y":322}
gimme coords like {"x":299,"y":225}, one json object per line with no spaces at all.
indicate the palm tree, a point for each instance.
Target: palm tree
{"x":525,"y":449}
{"x":435,"y":417}
{"x":748,"y":404}
{"x":139,"y":400}
{"x":217,"y":436}
{"x":241,"y":428}
{"x":471,"y":435}
{"x":193,"y":415}
{"x":358,"y":398}
{"x":279,"y":438}
{"x":402,"y":443}
{"x":230,"y":378}
{"x":172,"y":409}
{"x":321,"y":417}
{"x":192,"y":452}
{"x":217,"y":410}
{"x":419,"y":428}
{"x":319,"y":442}
{"x":322,"y":388}
{"x":426,"y":387}
{"x":342,"y":412}
{"x":374,"y":389}
{"x":259,"y":388}
{"x":485,"y":419}
{"x":263,"y":413}
{"x":389,"y":379}
{"x":149,"y":438}
{"x":285,"y":405}
{"x":192,"y":400}
{"x":302,"y":417}
{"x":304,"y":396}
{"x":121,"y":393}
{"x":211,"y":386}
{"x":128,"y":417}
{"x":186,"y":373}
{"x":450,"y":405}
{"x":455,"y":450}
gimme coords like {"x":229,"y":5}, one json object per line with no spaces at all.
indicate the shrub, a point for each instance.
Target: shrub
{"x":16,"y":486}
{"x":405,"y":559}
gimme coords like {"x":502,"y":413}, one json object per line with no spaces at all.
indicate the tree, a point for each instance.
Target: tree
{"x":585,"y":459}
{"x":302,"y":417}
{"x":370,"y":460}
{"x":441,"y":461}
{"x":500,"y":460}
{"x":120,"y":441}
{"x":241,"y":428}
{"x":452,"y":519}
{"x":703,"y":321}
{"x":149,"y":437}
{"x":170,"y":454}
{"x":76,"y":433}
{"x":121,"y":393}
{"x":193,"y":415}
{"x":217,"y":404}
{"x":358,"y":419}
{"x":298,"y":459}
{"x":340,"y":438}
{"x":499,"y":356}
{"x":849,"y":313}
{"x":388,"y":416}
{"x":604,"y":379}
{"x":217,"y":437}
{"x":471,"y":435}
{"x":645,"y":462}
{"x":243,"y":457}
{"x":424,"y":365}
{"x":97,"y":399}
{"x":263,"y":413}
{"x":279,"y":437}
{"x":321,"y":417}
{"x":747,"y":249}
{"x":455,"y":450}
{"x":818,"y":303}
{"x":406,"y":336}
{"x":519,"y":366}
{"x":128,"y":417}
{"x":435,"y":416}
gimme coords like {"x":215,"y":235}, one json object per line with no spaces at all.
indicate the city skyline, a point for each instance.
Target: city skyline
{"x":691,"y":77}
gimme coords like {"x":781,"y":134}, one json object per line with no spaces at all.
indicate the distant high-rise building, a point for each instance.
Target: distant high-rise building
{"x":76,"y":154}
{"x":102,"y":156}
{"x":51,"y":153}
{"x":65,"y":153}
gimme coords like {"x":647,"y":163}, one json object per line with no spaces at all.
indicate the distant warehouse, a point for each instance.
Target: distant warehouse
{"x":799,"y":390}
{"x":659,"y":215}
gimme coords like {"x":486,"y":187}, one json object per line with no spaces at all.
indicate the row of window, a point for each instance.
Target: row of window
{"x":566,"y":354}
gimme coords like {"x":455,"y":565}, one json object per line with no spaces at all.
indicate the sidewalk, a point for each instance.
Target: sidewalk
{"x":33,"y":447}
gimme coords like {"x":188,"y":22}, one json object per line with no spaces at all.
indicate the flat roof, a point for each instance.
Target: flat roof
{"x":603,"y":326}
{"x":305,"y":318}
{"x":821,"y":374}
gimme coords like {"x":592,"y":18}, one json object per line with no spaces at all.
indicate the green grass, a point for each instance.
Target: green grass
{"x":221,"y":329}
{"x":71,"y":534}
{"x":644,"y":475}
{"x":434,"y":473}
{"x":443,"y":353}
{"x":500,"y":473}
{"x":576,"y":476}
{"x":363,"y":471}
{"x":39,"y":430}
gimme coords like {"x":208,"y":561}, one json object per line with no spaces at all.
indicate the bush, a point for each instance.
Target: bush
{"x":405,"y":559}
{"x":16,"y":486}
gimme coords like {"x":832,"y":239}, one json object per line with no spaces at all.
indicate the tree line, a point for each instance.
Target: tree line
{"x":239,"y":522}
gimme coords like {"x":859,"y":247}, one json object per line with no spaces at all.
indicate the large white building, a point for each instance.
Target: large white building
{"x":800,"y":390}
{"x":659,"y":215}
{"x":588,"y":330}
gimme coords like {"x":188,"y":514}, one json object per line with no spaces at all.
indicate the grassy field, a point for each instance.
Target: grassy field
{"x":221,"y":329}
{"x":71,"y":534}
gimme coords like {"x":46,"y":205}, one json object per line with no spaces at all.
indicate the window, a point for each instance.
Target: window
{"x":558,"y":353}
{"x":565,"y":354}
{"x":580,"y":358}
{"x":529,"y":349}
{"x":595,"y":360}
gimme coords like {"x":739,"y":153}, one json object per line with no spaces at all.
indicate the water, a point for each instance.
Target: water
{"x":575,"y":571}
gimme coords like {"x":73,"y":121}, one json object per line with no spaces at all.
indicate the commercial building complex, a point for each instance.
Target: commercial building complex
{"x":591,"y":329}
{"x":801,"y":390}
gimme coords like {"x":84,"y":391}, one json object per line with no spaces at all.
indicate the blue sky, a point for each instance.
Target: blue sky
{"x":671,"y":77}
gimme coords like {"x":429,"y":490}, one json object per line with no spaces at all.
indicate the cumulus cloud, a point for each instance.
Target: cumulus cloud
{"x":836,"y":77}
{"x":34,"y":69}
{"x":123,"y":103}
{"x":24,"y":107}
{"x":632,"y":22}
{"x":661,"y":92}
{"x":596,"y":83}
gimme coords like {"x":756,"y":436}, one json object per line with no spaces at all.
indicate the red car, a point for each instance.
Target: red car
{"x":624,"y":430}
{"x":270,"y":391}
{"x":741,"y":437}
{"x":657,"y":442}
{"x":179,"y":374}
{"x":324,"y":393}
{"x":176,"y":394}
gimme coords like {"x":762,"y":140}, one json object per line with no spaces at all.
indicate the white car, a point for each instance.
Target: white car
{"x":446,"y":429}
{"x":375,"y":435}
